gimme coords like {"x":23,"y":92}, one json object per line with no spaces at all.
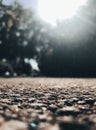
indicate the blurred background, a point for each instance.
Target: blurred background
{"x":55,"y":39}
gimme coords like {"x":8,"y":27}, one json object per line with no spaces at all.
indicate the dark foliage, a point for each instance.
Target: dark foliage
{"x":16,"y":41}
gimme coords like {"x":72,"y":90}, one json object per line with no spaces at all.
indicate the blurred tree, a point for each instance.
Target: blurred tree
{"x":63,"y":50}
{"x":71,"y":50}
{"x":18,"y":32}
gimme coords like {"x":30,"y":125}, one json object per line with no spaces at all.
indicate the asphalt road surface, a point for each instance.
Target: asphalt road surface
{"x":47,"y":104}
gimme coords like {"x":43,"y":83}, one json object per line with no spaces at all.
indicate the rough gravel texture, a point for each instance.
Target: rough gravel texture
{"x":47,"y":104}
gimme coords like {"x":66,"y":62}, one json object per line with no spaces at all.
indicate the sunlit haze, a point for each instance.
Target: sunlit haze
{"x":52,"y":10}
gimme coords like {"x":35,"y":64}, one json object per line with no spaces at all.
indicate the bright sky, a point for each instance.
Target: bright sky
{"x":53,"y":10}
{"x":26,"y":3}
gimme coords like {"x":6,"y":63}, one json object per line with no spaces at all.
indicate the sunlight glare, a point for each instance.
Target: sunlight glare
{"x":52,"y":10}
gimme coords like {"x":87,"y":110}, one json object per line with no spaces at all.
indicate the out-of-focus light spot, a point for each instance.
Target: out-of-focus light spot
{"x":33,"y":124}
{"x":34,"y":64}
{"x":30,"y":35}
{"x":4,"y":60}
{"x":7,"y":73}
{"x":1,"y":15}
{"x":0,"y":42}
{"x":25,"y":43}
{"x":18,"y":34}
{"x":38,"y":49}
{"x":26,"y":60}
{"x":3,"y":24}
{"x":15,"y":74}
